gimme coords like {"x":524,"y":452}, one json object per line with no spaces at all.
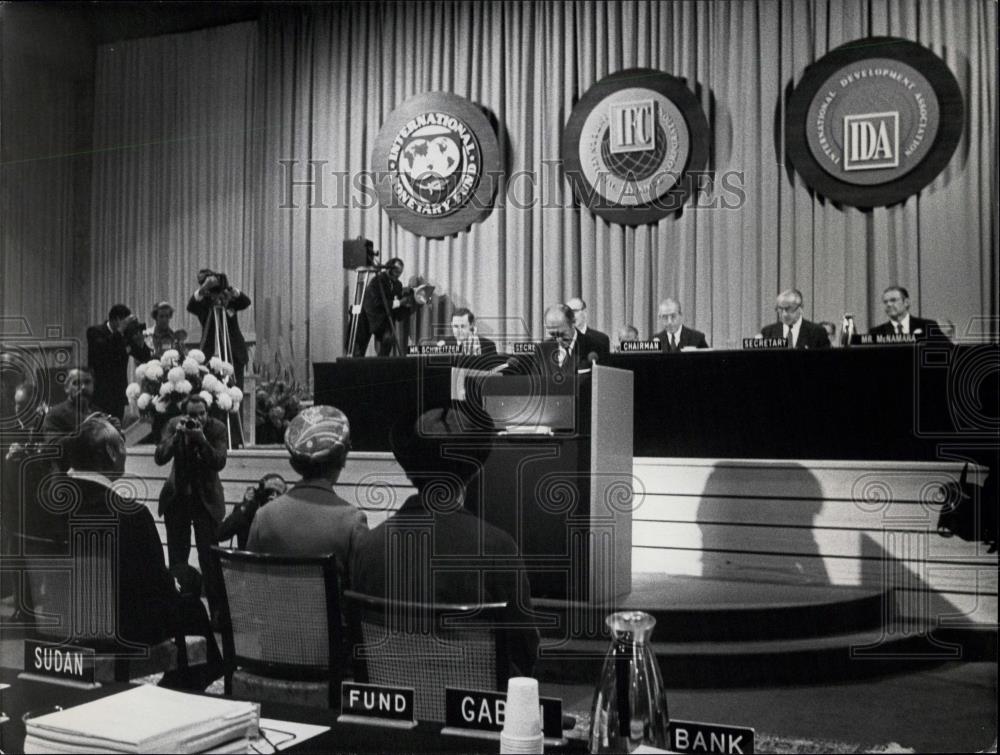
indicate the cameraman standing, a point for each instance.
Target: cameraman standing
{"x":214,"y":291}
{"x":109,"y":347}
{"x":192,"y":495}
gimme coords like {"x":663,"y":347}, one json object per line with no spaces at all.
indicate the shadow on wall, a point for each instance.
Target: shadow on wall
{"x":737,"y":544}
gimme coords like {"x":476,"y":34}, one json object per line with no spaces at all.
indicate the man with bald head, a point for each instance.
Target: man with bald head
{"x":600,"y":342}
{"x":801,"y":333}
{"x":565,"y":346}
{"x":675,"y":336}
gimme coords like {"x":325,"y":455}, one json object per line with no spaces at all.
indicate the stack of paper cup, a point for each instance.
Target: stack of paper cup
{"x":522,"y":722}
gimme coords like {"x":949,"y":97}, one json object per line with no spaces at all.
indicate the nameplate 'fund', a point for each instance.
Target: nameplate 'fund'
{"x":376,"y":704}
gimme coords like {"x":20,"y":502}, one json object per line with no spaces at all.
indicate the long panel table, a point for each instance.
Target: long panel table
{"x":889,"y":403}
{"x":28,"y":696}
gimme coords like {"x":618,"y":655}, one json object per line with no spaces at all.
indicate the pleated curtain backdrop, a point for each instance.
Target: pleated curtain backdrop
{"x":327,"y":77}
{"x":171,"y":170}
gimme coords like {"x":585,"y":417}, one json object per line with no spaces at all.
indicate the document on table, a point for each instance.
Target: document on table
{"x":283,"y":734}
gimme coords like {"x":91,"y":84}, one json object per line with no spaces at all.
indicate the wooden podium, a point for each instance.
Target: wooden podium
{"x":567,"y":497}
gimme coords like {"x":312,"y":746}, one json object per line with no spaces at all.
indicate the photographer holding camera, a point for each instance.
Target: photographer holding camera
{"x":192,"y":496}
{"x":109,"y":347}
{"x":216,"y":300}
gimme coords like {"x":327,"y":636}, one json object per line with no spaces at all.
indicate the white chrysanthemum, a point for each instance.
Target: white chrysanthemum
{"x":209,"y":383}
{"x":225,"y":402}
{"x":140,"y":373}
{"x":207,"y":396}
{"x":215,"y":364}
{"x":176,"y":374}
{"x":190,"y":366}
{"x":227,"y":369}
{"x":167,"y":388}
{"x":160,"y":405}
{"x":235,"y":393}
{"x":171,"y":356}
{"x":133,"y":391}
{"x":197,"y":355}
{"x":143,"y":401}
{"x":183,"y":386}
{"x":154,"y":371}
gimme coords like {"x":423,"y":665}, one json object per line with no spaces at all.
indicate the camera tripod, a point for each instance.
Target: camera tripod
{"x":223,"y":350}
{"x":362,"y":281}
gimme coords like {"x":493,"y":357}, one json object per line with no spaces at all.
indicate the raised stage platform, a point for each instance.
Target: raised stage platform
{"x":746,"y":559}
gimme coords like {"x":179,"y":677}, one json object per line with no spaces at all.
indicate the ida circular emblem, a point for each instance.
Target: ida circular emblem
{"x":631,"y":144}
{"x":874,"y":121}
{"x":436,"y":163}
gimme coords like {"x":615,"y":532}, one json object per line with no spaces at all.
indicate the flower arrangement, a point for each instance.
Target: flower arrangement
{"x":280,"y":397}
{"x":162,"y":385}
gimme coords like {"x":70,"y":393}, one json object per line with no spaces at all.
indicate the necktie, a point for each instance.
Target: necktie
{"x":899,"y":328}
{"x":673,"y":342}
{"x":791,"y":338}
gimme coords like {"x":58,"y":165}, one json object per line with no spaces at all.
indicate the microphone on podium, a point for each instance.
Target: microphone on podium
{"x":847,"y":329}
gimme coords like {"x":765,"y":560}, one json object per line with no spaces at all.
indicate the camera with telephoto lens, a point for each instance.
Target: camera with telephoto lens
{"x":191,"y":424}
{"x":220,"y":284}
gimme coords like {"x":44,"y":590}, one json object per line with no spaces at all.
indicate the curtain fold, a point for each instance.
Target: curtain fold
{"x":172,"y":152}
{"x":317,"y":84}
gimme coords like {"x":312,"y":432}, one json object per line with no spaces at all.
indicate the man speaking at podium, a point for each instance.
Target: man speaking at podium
{"x":567,"y":347}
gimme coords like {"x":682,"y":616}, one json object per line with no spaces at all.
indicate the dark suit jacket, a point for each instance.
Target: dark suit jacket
{"x":147,"y":598}
{"x":374,"y":307}
{"x":927,"y":328}
{"x":64,"y":419}
{"x":599,"y":342}
{"x":467,"y":561}
{"x":195,"y":474}
{"x":203,"y":310}
{"x":688,"y":337}
{"x":486,"y":346}
{"x":591,"y":342}
{"x":811,"y":335}
{"x":108,"y":353}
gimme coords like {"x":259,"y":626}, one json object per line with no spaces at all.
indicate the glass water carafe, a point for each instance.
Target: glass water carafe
{"x":630,"y":706}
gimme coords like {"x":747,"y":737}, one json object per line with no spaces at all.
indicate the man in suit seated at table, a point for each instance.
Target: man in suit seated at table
{"x":896,"y":303}
{"x":150,"y":608}
{"x":464,"y":560}
{"x":465,"y":335}
{"x":675,"y":336}
{"x":600,"y":341}
{"x":801,"y":333}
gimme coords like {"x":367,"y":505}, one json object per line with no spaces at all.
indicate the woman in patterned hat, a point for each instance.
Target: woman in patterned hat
{"x":311,"y":519}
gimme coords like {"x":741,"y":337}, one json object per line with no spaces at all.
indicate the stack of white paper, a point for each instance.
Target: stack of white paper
{"x":145,"y":719}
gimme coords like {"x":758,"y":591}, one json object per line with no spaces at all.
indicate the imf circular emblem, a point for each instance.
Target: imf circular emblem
{"x":436,"y":163}
{"x":631,"y":144}
{"x":874,"y":121}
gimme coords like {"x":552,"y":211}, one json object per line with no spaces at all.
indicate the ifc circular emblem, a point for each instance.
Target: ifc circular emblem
{"x":436,"y":163}
{"x":874,"y":121}
{"x":631,"y":144}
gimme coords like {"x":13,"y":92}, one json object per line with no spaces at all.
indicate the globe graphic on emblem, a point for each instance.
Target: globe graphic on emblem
{"x":635,"y":166}
{"x":430,"y":160}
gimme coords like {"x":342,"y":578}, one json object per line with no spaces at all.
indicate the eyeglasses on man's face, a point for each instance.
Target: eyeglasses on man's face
{"x":787,"y":308}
